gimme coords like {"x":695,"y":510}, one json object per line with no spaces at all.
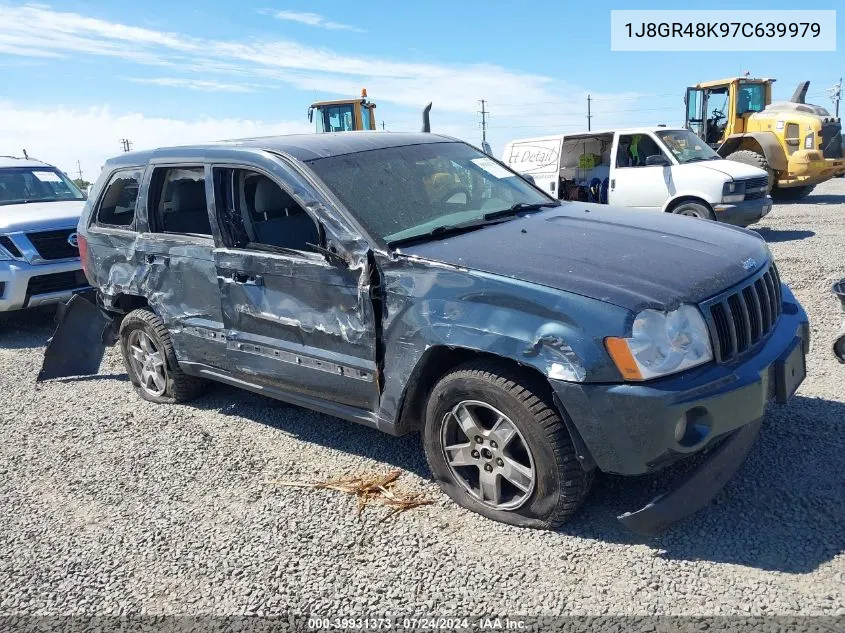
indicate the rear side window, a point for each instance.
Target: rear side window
{"x":117,"y":206}
{"x":177,"y":201}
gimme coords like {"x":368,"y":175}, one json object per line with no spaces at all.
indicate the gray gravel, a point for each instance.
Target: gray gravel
{"x":113,"y":505}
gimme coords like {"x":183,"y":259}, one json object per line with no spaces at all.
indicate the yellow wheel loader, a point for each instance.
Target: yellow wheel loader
{"x":344,"y":115}
{"x":798,"y":144}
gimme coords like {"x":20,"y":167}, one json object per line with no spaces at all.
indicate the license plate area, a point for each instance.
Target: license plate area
{"x":790,"y":371}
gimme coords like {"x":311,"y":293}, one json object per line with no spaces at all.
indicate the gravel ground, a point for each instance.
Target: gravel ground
{"x":113,"y":505}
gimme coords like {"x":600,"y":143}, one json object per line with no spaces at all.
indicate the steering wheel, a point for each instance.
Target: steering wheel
{"x":718,"y":115}
{"x":451,"y":193}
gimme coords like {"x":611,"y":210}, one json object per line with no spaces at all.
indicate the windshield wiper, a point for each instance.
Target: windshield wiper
{"x":519,"y":207}
{"x":444,"y":230}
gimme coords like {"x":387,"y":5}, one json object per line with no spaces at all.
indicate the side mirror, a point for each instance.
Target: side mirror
{"x":657,"y":160}
{"x":529,"y":178}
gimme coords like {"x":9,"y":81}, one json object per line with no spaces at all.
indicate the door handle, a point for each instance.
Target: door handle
{"x":152,"y":258}
{"x":240,"y":277}
{"x":613,"y":183}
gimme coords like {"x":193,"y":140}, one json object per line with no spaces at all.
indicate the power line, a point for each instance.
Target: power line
{"x":589,"y":116}
{"x":835,"y":94}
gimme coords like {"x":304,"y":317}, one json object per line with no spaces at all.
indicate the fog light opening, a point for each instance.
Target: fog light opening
{"x":693,"y":427}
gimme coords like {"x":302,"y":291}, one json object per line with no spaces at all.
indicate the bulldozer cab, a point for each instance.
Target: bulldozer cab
{"x":344,"y":115}
{"x":717,"y":109}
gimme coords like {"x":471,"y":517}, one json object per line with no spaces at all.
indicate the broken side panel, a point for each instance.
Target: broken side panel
{"x":300,"y":323}
{"x":83,"y":332}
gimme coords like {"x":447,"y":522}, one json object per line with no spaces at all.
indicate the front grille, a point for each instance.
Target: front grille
{"x":7,"y":243}
{"x":746,"y":316}
{"x":55,"y":282}
{"x":832,"y":140}
{"x":756,"y":187}
{"x":53,"y":244}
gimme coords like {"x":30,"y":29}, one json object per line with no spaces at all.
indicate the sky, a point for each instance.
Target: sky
{"x":80,"y":75}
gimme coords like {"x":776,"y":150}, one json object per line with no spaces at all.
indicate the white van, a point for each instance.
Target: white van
{"x":660,"y":168}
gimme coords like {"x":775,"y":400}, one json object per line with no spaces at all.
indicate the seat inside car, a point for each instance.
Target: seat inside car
{"x":279,"y":221}
{"x":189,"y":213}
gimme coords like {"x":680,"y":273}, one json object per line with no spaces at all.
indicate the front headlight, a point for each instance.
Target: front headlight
{"x":662,"y":343}
{"x":733,"y":191}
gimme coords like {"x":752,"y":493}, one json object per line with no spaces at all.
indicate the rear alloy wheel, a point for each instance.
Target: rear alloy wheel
{"x":151,"y":362}
{"x":694,"y":210}
{"x":498,"y":447}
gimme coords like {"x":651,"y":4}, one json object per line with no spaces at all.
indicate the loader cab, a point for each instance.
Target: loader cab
{"x":345,"y":115}
{"x":717,"y":109}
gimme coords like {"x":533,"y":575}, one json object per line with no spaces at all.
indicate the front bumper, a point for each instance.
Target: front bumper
{"x":745,"y":212}
{"x":24,"y":285}
{"x":630,"y":429}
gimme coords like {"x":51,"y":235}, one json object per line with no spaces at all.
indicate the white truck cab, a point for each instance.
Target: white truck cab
{"x":658,"y":168}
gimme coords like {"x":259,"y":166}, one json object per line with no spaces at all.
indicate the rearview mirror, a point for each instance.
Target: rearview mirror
{"x":657,"y":159}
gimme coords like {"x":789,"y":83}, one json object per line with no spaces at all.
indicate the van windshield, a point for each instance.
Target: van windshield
{"x":686,"y":147}
{"x":19,"y":185}
{"x":417,"y":191}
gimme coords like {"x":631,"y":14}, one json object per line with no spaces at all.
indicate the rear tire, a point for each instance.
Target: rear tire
{"x":151,"y":362}
{"x":755,"y":159}
{"x":792,"y":193}
{"x":839,"y":348}
{"x":524,"y":471}
{"x":694,"y":210}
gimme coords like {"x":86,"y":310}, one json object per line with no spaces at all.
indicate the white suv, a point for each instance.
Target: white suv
{"x":39,"y":256}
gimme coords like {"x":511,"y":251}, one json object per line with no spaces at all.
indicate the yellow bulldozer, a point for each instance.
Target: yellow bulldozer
{"x":798,"y":144}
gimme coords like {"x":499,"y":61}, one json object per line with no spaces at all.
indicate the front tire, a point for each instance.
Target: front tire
{"x":497,"y":447}
{"x":694,"y":210}
{"x":151,"y":362}
{"x":792,"y":193}
{"x":755,"y":159}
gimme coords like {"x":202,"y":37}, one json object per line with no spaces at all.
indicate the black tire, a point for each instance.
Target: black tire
{"x":560,"y":484}
{"x":179,"y":387}
{"x":792,"y":193}
{"x":839,"y":348}
{"x":755,"y":159}
{"x":694,"y":209}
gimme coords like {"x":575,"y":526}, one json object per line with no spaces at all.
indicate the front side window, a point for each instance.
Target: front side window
{"x":177,"y":200}
{"x":19,"y":185}
{"x":255,"y":211}
{"x":686,"y":147}
{"x":366,"y":118}
{"x":634,"y":150}
{"x":338,"y":118}
{"x":117,"y":206}
{"x":399,"y":193}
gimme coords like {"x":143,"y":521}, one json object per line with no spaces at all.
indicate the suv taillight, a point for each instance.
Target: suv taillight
{"x":82,"y":243}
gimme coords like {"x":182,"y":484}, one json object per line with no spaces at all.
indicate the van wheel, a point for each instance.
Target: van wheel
{"x":755,"y":159}
{"x":151,"y":362}
{"x":498,"y":448}
{"x":694,"y":210}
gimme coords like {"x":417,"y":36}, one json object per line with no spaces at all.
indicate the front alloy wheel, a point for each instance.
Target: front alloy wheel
{"x":487,"y":455}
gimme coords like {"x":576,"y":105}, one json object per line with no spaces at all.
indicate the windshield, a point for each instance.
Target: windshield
{"x":35,"y":184}
{"x":686,"y":147}
{"x":399,"y":193}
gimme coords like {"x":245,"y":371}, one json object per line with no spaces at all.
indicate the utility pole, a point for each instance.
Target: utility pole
{"x":79,"y":169}
{"x":126,"y":143}
{"x":589,"y":113}
{"x":835,"y":93}
{"x":483,"y":112}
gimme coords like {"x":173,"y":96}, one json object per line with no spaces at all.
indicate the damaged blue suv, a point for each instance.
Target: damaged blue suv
{"x":412,"y":283}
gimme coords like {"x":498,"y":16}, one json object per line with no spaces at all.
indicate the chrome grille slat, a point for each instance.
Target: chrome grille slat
{"x":744,"y":316}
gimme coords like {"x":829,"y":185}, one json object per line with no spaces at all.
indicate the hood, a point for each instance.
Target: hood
{"x":633,"y":259}
{"x":735,"y":170}
{"x":40,"y":215}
